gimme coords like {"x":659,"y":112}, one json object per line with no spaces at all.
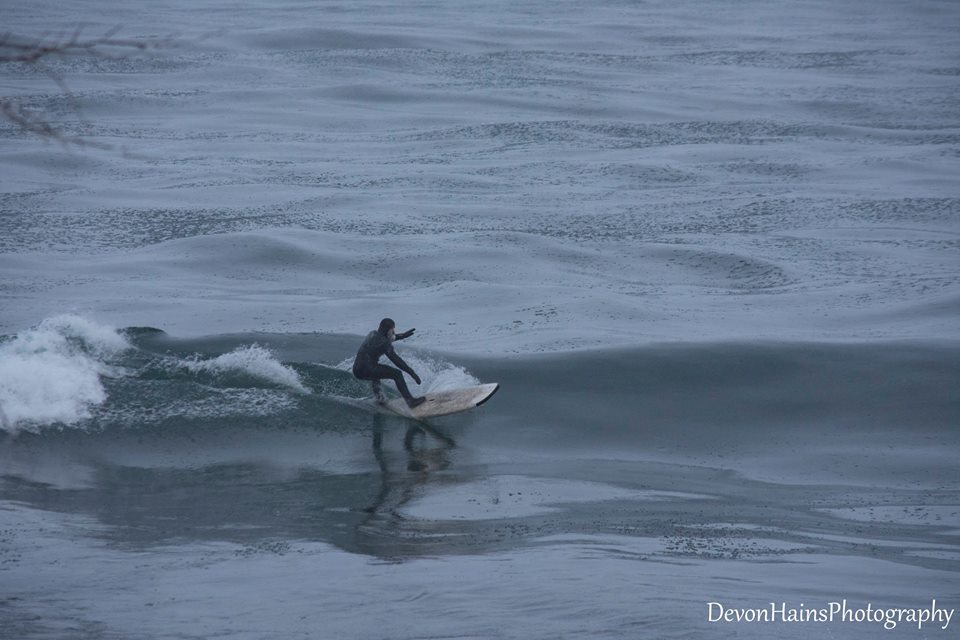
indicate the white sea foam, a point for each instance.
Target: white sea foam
{"x":52,"y":373}
{"x":252,"y":360}
{"x":216,"y":404}
{"x":439,"y":375}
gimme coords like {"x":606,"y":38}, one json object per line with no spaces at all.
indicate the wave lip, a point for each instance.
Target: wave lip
{"x":252,"y":360}
{"x":52,"y":373}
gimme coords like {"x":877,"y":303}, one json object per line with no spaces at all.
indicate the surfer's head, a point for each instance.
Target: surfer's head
{"x":386,"y":326}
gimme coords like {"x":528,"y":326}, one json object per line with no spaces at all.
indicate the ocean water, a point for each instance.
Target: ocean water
{"x":710,"y":250}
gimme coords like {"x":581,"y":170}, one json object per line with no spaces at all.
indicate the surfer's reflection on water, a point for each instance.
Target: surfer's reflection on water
{"x":426,"y":450}
{"x":183,"y":485}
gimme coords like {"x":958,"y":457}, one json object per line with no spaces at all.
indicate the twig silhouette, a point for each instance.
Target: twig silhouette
{"x":35,"y":52}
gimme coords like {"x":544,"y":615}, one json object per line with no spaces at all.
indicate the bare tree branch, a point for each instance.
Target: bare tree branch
{"x":16,"y":49}
{"x":35,"y":52}
{"x":14,"y":112}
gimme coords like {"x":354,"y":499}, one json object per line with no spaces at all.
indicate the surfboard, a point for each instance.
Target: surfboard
{"x":444,"y":403}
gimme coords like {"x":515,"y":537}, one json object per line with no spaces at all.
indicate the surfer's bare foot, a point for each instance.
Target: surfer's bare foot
{"x":416,"y":402}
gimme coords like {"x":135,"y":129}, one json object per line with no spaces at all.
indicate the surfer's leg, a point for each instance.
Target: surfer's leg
{"x":383,"y":372}
{"x":377,"y":391}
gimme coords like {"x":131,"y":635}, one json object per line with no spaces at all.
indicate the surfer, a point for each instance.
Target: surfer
{"x":367,"y":365}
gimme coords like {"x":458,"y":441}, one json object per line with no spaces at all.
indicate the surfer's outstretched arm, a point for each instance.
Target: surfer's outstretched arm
{"x":403,"y":366}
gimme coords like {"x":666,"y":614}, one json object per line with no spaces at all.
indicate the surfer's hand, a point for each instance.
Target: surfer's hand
{"x":415,"y":377}
{"x":405,"y":334}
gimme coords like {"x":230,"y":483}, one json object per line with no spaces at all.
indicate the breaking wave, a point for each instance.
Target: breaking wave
{"x":53,"y":372}
{"x":252,"y":360}
{"x":63,"y":372}
{"x":72,"y":372}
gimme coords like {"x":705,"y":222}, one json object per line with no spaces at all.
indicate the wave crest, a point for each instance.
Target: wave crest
{"x":52,"y":373}
{"x":253,"y":360}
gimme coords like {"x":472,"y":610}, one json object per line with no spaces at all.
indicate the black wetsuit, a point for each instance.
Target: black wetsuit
{"x":367,"y":365}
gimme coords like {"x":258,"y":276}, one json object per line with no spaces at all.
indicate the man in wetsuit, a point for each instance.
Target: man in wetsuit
{"x":367,"y":365}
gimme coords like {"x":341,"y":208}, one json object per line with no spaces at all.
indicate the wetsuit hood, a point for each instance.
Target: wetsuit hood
{"x":385,"y":325}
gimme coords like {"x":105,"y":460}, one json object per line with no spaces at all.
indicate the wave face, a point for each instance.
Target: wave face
{"x":681,"y":401}
{"x":71,"y":372}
